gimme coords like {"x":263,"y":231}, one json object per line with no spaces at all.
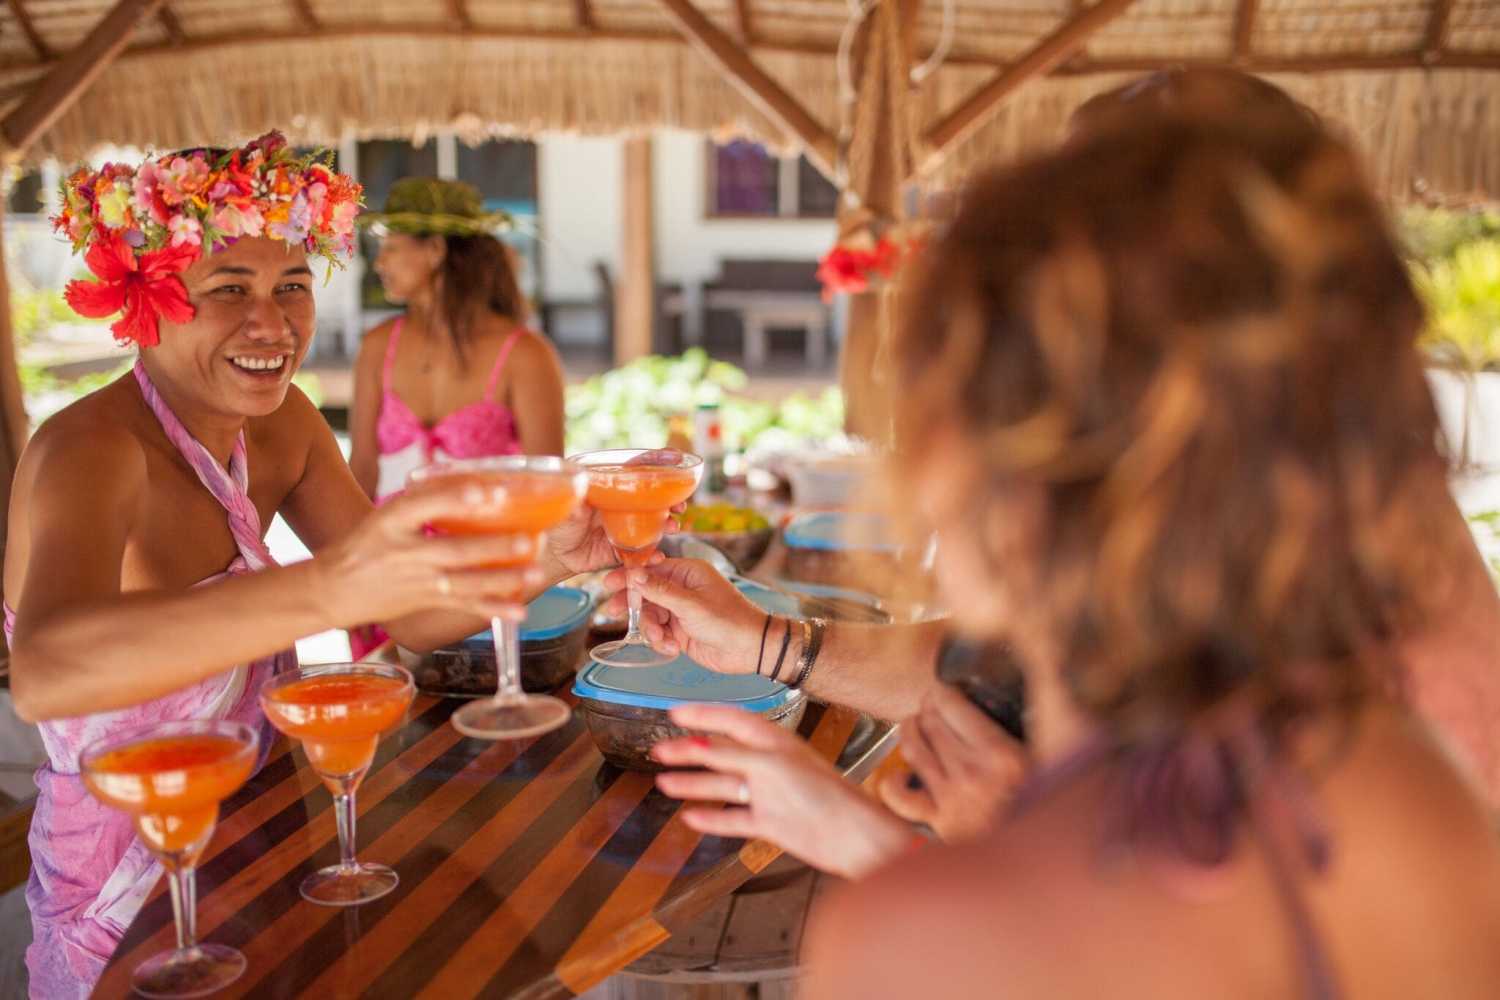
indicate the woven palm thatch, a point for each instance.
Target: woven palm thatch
{"x":1415,"y":82}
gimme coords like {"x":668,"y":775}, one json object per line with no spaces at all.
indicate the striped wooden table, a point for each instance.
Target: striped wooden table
{"x":528,"y":868}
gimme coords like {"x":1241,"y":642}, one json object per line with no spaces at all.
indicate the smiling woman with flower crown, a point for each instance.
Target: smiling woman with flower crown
{"x":141,"y":585}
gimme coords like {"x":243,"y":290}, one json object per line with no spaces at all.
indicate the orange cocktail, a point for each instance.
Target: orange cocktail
{"x":339,"y":718}
{"x":339,"y":712}
{"x":516,"y":502}
{"x":523,"y":497}
{"x":634,"y":490}
{"x":633,"y":503}
{"x":171,"y":778}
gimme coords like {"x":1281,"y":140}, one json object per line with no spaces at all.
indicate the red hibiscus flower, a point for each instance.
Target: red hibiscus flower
{"x":145,"y":287}
{"x":844,"y":269}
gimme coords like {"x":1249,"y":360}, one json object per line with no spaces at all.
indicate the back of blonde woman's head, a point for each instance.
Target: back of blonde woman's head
{"x":1195,"y":343}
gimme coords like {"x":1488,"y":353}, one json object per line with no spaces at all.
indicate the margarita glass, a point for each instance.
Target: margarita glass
{"x":170,"y":778}
{"x":633,"y":490}
{"x":339,"y":711}
{"x":523,"y":496}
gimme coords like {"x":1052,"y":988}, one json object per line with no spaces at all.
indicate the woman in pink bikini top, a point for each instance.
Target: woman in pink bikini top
{"x":457,"y":376}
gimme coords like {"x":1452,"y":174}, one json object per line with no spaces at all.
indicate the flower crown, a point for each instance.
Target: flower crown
{"x":142,"y":226}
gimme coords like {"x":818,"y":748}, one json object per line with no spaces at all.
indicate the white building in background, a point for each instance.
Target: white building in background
{"x":710,"y":204}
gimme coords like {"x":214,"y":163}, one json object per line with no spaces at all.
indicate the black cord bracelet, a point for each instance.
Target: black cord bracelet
{"x":786,"y":640}
{"x":762,"y":654}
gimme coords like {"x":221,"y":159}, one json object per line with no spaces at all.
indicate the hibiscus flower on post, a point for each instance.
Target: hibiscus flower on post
{"x":863,"y":261}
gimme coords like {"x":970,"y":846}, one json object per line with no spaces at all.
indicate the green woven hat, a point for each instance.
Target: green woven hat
{"x":430,"y":206}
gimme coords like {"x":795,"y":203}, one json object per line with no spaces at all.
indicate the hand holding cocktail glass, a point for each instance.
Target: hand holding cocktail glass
{"x":633,"y":490}
{"x":520,"y":498}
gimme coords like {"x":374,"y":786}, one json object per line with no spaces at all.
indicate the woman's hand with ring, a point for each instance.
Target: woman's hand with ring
{"x":778,"y":789}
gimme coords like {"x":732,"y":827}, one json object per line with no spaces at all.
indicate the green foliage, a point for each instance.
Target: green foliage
{"x":1462,"y":294}
{"x":1430,"y":235}
{"x":631,"y":405}
{"x":1486,"y":529}
{"x":35,"y":310}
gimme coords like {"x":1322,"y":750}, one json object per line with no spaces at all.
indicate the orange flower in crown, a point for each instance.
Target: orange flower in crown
{"x":141,"y":227}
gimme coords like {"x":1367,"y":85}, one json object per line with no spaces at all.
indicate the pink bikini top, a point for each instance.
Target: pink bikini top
{"x":474,"y":431}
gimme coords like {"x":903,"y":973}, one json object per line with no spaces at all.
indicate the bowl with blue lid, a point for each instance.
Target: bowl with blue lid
{"x":627,"y":708}
{"x":554,"y":640}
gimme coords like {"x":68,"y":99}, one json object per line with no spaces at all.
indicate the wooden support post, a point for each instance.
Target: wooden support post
{"x":634,"y":293}
{"x":73,"y":74}
{"x":769,"y":97}
{"x":880,"y":161}
{"x":1039,"y":59}
{"x":14,"y":427}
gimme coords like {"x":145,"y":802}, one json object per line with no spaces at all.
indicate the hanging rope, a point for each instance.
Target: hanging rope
{"x":944,"y":45}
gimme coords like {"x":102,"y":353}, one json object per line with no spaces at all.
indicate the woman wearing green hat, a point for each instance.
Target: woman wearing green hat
{"x":458,"y":375}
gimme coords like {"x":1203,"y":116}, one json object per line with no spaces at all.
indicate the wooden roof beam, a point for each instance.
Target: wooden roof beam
{"x":171,"y":25}
{"x":1040,"y":59}
{"x":459,"y":11}
{"x":1436,"y":36}
{"x":759,"y":88}
{"x":744,"y":21}
{"x":74,"y":73}
{"x":583,"y":15}
{"x":307,"y":15}
{"x":28,"y":28}
{"x":1244,"y":29}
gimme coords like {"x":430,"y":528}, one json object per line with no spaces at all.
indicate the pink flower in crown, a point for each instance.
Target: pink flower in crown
{"x":236,"y":220}
{"x":342,"y":222}
{"x":182,"y":179}
{"x":185,"y":230}
{"x":147,"y":199}
{"x":317,"y":201}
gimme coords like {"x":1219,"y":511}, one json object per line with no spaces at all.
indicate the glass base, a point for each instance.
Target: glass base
{"x":513,"y":717}
{"x":340,"y":886}
{"x":192,"y":972}
{"x":628,"y":653}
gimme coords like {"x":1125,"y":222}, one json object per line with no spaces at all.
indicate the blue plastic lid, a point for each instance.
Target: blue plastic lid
{"x":686,"y":681}
{"x":554,"y":614}
{"x":840,"y":531}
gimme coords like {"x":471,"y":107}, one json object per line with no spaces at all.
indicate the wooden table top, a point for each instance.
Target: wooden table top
{"x":529,"y":868}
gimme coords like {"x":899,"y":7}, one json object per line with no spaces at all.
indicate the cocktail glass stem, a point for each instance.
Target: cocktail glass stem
{"x":633,"y":632}
{"x":343,"y":806}
{"x":183,"y":887}
{"x":507,"y":659}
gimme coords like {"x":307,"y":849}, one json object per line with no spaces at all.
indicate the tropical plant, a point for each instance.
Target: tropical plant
{"x":1462,"y":294}
{"x":633,"y":404}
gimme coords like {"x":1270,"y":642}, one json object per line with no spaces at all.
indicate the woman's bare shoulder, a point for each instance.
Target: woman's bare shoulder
{"x":532,"y":348}
{"x":102,"y":430}
{"x":376,"y":339}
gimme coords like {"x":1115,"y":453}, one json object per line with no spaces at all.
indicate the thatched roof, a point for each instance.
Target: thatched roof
{"x":1416,"y":81}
